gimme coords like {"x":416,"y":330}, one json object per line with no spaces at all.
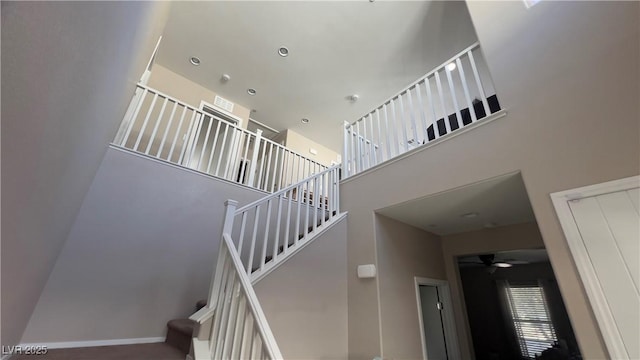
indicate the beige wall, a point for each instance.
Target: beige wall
{"x":187,"y":91}
{"x":403,"y":252}
{"x":513,"y":237}
{"x":68,"y":73}
{"x":140,"y":252}
{"x":566,"y":72}
{"x":301,"y":145}
{"x":305,"y":299}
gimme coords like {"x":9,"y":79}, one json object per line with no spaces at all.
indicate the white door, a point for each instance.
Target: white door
{"x":602,"y":224}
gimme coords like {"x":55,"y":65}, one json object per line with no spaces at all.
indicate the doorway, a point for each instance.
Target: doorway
{"x":514,"y":307}
{"x":437,"y":330}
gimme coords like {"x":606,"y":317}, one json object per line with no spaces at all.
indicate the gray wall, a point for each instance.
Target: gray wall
{"x":403,"y":252}
{"x":305,"y":299}
{"x":68,"y":70}
{"x":567,"y":73}
{"x":140,"y":252}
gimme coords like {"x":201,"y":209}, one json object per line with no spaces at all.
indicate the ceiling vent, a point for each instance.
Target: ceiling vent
{"x":223,"y":103}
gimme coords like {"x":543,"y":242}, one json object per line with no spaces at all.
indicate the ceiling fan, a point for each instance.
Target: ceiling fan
{"x":489,"y":260}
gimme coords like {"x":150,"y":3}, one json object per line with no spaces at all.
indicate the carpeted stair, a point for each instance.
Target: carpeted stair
{"x":180,"y":331}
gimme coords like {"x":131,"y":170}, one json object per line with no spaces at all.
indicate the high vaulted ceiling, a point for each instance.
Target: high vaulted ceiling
{"x":337,"y":48}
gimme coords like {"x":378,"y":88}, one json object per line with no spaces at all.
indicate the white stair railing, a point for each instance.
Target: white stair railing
{"x":235,"y":325}
{"x":238,"y":328}
{"x":165,"y":128}
{"x":454,"y":94}
{"x":271,"y":229}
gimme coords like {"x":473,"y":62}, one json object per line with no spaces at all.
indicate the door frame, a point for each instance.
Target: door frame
{"x":448,"y":323}
{"x":595,"y":294}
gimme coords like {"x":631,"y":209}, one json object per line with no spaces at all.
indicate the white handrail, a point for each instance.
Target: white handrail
{"x":239,"y":329}
{"x":168,"y":129}
{"x":271,"y":228}
{"x":442,"y":101}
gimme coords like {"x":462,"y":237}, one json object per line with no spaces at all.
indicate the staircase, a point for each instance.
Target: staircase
{"x":256,"y":239}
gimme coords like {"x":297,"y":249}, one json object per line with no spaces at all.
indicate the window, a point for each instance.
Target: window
{"x":531,"y":320}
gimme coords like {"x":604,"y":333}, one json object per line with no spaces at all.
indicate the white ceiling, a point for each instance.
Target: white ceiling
{"x":337,"y":48}
{"x":498,"y":201}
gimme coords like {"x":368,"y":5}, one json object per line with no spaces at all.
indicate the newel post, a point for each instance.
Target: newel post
{"x":254,"y":157}
{"x":345,"y":148}
{"x":230,"y":214}
{"x":218,"y":269}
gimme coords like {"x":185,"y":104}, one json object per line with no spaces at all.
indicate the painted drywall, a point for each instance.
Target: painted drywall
{"x":68,"y":73}
{"x":305,"y":299}
{"x":503,"y":238}
{"x":303,"y":145}
{"x":403,"y":252}
{"x":572,"y":120}
{"x":489,"y":323}
{"x":140,"y":253}
{"x":187,"y":91}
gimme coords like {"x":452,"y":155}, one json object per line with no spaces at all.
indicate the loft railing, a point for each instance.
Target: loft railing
{"x":457,"y":93}
{"x":270,"y":229}
{"x":165,"y":128}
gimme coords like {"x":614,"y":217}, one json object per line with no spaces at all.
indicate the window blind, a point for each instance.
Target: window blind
{"x":531,"y":320}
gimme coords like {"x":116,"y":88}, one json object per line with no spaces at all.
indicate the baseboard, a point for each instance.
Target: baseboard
{"x":91,"y":343}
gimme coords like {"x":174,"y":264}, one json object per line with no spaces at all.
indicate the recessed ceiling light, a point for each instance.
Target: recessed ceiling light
{"x":353,"y":98}
{"x":305,"y":120}
{"x":251,"y":91}
{"x":283,"y":51}
{"x":194,"y":61}
{"x":451,"y":66}
{"x":469,"y":215}
{"x":225,"y":78}
{"x":502,"y":265}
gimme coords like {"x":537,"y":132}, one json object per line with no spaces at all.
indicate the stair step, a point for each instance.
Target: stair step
{"x":179,"y":334}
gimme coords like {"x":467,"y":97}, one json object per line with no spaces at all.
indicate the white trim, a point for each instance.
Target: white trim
{"x":451,"y":338}
{"x":595,"y":294}
{"x":184,"y":168}
{"x":486,"y":120}
{"x":222,"y":112}
{"x":263,"y":125}
{"x":91,"y":343}
{"x":201,"y":350}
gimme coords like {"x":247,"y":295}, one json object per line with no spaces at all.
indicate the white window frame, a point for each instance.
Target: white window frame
{"x":522,"y":346}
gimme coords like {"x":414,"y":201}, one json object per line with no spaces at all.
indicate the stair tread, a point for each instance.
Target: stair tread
{"x":184,"y":326}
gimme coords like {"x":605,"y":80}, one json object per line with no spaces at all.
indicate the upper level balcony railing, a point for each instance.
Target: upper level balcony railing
{"x":457,"y":93}
{"x":165,"y":128}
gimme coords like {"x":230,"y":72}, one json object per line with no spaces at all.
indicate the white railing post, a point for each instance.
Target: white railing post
{"x":129,"y":118}
{"x":345,"y":151}
{"x":230,"y":212}
{"x":254,"y":157}
{"x":216,"y":279}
